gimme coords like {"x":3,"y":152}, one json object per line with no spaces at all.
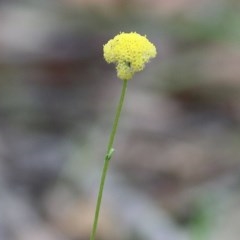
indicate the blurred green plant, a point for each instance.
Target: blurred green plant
{"x":201,"y":221}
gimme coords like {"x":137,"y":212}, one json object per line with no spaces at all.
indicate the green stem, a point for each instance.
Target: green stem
{"x":108,"y":156}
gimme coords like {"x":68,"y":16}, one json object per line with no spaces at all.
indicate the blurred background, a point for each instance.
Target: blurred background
{"x":175,"y":174}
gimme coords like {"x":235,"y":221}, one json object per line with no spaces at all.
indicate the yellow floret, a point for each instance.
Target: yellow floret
{"x":130,"y":52}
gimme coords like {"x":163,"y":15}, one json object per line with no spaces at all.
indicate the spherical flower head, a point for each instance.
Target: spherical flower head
{"x":130,"y":52}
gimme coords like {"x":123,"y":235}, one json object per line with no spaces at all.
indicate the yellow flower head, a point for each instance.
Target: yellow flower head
{"x":130,"y":52}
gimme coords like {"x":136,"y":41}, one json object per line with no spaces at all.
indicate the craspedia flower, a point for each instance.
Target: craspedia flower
{"x":130,"y":52}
